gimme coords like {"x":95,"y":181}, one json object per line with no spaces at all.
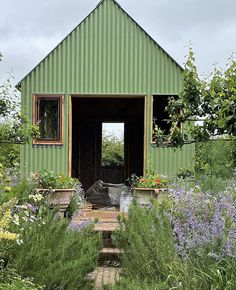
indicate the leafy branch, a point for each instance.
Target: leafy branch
{"x":211,"y":100}
{"x":14,"y":126}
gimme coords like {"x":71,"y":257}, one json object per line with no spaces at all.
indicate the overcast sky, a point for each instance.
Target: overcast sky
{"x":30,"y":29}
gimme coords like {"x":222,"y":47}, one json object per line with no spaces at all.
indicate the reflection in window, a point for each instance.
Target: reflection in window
{"x":48,"y":118}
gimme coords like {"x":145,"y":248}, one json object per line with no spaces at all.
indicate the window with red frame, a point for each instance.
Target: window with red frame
{"x":48,"y":117}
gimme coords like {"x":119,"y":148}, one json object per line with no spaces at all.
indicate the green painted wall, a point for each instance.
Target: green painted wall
{"x":107,"y":54}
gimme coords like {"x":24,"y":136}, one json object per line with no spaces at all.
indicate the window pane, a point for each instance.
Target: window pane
{"x":160,"y":115}
{"x":49,"y":118}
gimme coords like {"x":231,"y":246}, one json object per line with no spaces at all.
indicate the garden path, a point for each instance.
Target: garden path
{"x":108,"y":271}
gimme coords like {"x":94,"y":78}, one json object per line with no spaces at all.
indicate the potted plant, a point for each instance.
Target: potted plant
{"x":148,"y":186}
{"x":59,"y":188}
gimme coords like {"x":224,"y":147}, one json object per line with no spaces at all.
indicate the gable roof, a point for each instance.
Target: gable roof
{"x":83,"y":21}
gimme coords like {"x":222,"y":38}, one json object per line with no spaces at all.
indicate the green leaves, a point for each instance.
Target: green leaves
{"x":112,"y":150}
{"x":211,"y":100}
{"x":14,"y":126}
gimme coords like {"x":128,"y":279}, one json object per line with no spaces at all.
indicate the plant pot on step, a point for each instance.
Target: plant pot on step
{"x":59,"y":197}
{"x":145,"y":194}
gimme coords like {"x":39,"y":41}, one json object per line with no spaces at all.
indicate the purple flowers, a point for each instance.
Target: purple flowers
{"x":204,"y":223}
{"x":79,"y":226}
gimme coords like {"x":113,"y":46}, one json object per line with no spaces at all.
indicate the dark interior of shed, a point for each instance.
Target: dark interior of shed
{"x":160,"y":114}
{"x":88,"y":115}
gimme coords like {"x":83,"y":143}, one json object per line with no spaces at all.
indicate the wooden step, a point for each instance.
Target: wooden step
{"x":115,"y":251}
{"x":109,"y":255}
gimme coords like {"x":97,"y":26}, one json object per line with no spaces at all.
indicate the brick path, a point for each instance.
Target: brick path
{"x":107,"y":223}
{"x":104,"y":276}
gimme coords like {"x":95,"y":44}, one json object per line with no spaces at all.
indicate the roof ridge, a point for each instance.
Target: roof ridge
{"x":83,"y":20}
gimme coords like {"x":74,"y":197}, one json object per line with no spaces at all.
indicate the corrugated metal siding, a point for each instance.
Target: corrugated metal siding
{"x":106,"y":54}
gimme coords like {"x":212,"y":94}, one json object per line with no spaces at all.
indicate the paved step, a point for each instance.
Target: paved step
{"x":106,"y":224}
{"x":104,"y":276}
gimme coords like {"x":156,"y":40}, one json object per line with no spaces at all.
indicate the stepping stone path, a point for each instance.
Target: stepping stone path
{"x":107,"y":272}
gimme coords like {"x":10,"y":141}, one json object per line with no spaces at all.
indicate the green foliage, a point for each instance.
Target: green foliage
{"x":112,"y":150}
{"x":10,"y":280}
{"x":10,"y":155}
{"x":152,"y":258}
{"x":48,"y":179}
{"x":132,"y":284}
{"x":72,"y":207}
{"x":212,"y":100}
{"x":150,"y":180}
{"x":13,"y":187}
{"x":55,"y":256}
{"x":215,"y":163}
{"x":216,"y":158}
{"x":14,"y":126}
{"x":146,"y":239}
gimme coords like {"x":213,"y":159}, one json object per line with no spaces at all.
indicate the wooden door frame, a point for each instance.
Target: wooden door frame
{"x":70,"y":119}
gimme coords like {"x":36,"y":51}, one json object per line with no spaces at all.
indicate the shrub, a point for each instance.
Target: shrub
{"x":48,"y":179}
{"x":186,"y":242}
{"x":55,"y":256}
{"x":10,"y":280}
{"x":147,"y":241}
{"x":215,"y":167}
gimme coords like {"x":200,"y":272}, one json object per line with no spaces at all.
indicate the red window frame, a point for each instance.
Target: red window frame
{"x":35,"y":117}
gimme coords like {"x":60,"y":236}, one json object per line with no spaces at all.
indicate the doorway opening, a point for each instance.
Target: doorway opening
{"x":107,"y":138}
{"x":112,"y":163}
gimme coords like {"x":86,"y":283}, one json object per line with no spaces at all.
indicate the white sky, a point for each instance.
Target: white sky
{"x":31,"y":29}
{"x":114,"y":128}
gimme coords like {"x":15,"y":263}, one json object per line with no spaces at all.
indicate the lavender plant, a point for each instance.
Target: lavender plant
{"x":185,"y":242}
{"x":203,"y":222}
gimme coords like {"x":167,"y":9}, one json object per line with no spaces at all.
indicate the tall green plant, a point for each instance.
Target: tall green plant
{"x":211,"y":100}
{"x":56,"y":256}
{"x":147,"y":241}
{"x":112,"y":150}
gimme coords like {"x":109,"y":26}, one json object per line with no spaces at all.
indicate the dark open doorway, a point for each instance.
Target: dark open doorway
{"x":88,"y":116}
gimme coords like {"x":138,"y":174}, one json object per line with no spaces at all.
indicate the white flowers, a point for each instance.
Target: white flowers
{"x":36,"y":197}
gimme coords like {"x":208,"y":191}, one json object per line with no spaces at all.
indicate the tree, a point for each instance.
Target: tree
{"x":112,"y":150}
{"x":211,"y":102}
{"x":14,"y":126}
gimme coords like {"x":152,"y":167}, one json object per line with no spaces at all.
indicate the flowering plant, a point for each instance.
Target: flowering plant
{"x":150,"y":180}
{"x":204,"y":223}
{"x":48,"y":179}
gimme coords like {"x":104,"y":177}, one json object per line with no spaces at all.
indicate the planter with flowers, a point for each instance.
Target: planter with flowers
{"x":59,"y":188}
{"x":151,"y":185}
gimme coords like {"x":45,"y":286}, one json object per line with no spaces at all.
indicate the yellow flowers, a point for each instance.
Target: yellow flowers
{"x":4,"y":224}
{"x":8,"y":236}
{"x":7,"y":188}
{"x":36,"y":197}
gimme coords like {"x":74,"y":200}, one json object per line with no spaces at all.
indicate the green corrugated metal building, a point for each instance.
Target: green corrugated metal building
{"x":108,"y":69}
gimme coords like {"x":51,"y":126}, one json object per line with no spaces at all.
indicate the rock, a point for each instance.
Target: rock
{"x":106,"y":194}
